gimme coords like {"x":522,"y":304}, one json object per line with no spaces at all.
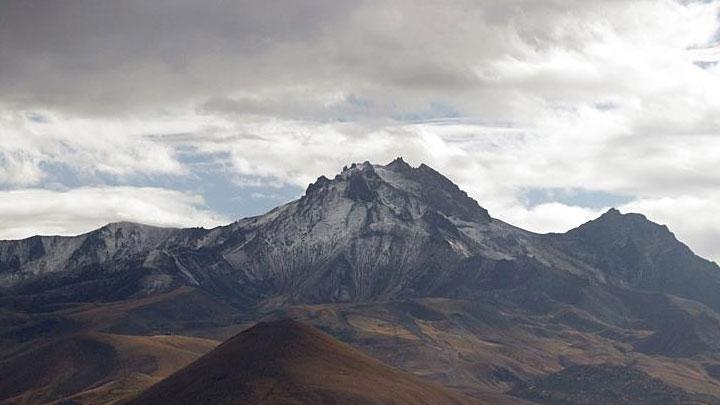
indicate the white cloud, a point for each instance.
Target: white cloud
{"x":118,"y":147}
{"x":27,"y":212}
{"x":549,"y":217}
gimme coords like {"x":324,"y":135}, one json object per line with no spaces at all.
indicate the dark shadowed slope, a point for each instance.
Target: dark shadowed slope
{"x":290,"y":362}
{"x":606,"y":384}
{"x":56,"y":369}
{"x":93,"y":368}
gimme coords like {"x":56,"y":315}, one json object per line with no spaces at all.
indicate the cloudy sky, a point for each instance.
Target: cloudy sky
{"x":197,"y":113}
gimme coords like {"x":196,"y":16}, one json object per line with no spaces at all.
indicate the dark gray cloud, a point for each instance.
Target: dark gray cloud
{"x":83,"y":54}
{"x":115,"y":57}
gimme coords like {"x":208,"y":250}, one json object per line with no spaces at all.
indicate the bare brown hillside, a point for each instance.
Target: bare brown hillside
{"x":290,"y":362}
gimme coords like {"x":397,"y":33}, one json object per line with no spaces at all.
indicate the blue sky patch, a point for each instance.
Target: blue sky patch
{"x":573,"y":196}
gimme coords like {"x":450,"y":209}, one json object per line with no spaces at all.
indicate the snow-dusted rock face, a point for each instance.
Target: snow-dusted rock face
{"x":43,"y":255}
{"x":372,"y":232}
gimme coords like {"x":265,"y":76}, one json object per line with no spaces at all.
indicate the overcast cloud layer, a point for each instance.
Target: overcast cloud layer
{"x":188,"y":113}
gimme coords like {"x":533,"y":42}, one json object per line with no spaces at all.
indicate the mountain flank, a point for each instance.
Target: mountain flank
{"x":606,"y":384}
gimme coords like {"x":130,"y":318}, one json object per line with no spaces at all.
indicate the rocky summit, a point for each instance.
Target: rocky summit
{"x":395,"y":260}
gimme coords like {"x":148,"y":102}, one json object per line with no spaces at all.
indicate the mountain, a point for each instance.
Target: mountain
{"x":395,"y":260}
{"x":290,"y":362}
{"x":632,"y":251}
{"x":311,"y":250}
